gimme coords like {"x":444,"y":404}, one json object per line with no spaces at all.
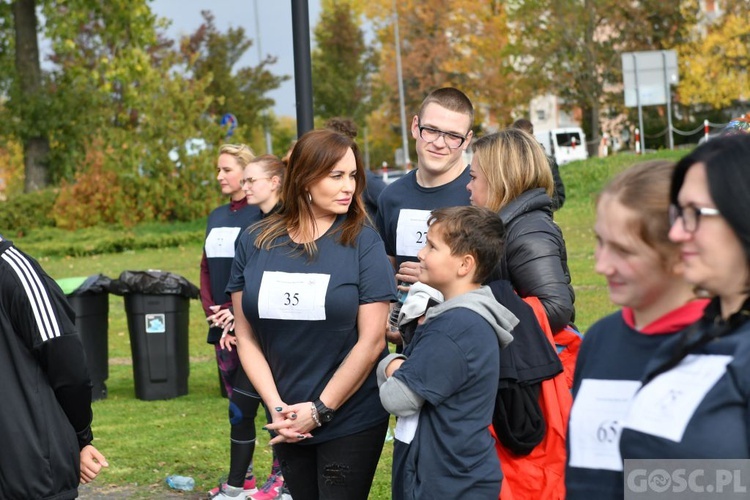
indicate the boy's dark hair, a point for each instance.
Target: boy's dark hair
{"x":477,"y":231}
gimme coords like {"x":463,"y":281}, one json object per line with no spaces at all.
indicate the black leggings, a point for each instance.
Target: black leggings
{"x":340,"y":469}
{"x":243,"y":406}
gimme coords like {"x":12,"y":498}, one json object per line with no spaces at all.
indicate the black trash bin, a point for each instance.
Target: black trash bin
{"x":157,"y":305}
{"x":89,"y":298}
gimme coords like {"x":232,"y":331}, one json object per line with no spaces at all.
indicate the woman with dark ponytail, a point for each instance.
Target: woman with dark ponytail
{"x":696,"y":390}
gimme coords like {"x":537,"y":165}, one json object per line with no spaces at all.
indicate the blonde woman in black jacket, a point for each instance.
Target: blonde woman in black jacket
{"x":510,"y":175}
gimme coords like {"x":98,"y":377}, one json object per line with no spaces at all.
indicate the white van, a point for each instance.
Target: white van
{"x":566,"y":144}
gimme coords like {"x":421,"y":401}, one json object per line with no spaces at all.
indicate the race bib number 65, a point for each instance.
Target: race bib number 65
{"x":293,"y":296}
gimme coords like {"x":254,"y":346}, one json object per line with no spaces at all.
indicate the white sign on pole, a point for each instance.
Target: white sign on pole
{"x":655,"y":70}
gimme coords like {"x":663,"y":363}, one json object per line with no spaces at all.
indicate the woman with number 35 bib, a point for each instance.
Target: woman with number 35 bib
{"x":311,"y":289}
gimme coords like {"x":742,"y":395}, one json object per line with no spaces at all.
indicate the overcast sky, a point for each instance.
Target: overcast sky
{"x":275,"y":32}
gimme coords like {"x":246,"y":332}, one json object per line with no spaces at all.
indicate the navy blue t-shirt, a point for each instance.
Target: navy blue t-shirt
{"x":718,"y":426}
{"x":611,"y":352}
{"x":453,"y":364}
{"x":222,"y":233}
{"x":406,"y":193}
{"x":304,"y":314}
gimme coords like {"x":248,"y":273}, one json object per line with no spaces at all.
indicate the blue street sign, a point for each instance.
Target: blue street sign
{"x":229,"y":121}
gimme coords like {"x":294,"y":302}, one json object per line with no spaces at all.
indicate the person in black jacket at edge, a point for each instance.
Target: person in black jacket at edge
{"x":45,"y":389}
{"x":558,"y":195}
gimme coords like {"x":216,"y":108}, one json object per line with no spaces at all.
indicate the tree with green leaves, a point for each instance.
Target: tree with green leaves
{"x":116,"y":82}
{"x":241,"y":91}
{"x":572,"y":48}
{"x":342,"y":66}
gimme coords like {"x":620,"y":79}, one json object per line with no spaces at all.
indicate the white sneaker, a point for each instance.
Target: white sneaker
{"x":227,"y":492}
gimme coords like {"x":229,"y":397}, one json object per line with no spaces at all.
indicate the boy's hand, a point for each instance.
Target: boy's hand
{"x":408,"y":272}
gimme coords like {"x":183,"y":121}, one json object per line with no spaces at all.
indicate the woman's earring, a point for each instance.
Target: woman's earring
{"x":309,"y":197}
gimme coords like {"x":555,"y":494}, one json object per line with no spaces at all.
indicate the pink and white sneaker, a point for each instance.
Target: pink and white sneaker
{"x":272,"y":489}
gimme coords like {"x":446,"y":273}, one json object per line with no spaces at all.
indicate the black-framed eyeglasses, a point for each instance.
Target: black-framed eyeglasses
{"x":451,"y":140}
{"x":690,"y":216}
{"x":250,"y":180}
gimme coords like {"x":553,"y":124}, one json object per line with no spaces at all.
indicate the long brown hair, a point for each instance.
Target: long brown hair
{"x":311,"y":160}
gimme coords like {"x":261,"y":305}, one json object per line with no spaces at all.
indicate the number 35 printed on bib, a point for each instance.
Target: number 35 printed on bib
{"x":293,"y":296}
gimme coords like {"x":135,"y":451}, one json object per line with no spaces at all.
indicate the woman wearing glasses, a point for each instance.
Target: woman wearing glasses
{"x":261,"y":186}
{"x":311,"y":289}
{"x":225,"y":224}
{"x":696,"y":390}
{"x":645,"y":277}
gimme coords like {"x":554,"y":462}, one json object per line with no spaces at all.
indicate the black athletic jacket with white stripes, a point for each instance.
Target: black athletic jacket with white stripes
{"x":45,"y":389}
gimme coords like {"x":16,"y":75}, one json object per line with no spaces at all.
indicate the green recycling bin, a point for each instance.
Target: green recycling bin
{"x":89,"y":298}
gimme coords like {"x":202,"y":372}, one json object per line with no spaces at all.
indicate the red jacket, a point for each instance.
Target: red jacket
{"x":541,"y":474}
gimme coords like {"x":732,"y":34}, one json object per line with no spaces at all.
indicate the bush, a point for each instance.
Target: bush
{"x":27,"y":211}
{"x":99,"y":240}
{"x":133,"y":183}
{"x":95,"y":197}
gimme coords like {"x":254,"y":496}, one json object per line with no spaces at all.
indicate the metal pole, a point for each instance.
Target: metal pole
{"x":302,"y":65}
{"x":638,"y":101}
{"x":264,"y":115}
{"x":668,"y":91}
{"x":404,"y":139}
{"x":367,"y":148}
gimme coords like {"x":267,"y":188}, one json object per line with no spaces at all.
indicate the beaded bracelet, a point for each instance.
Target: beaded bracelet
{"x":314,"y":413}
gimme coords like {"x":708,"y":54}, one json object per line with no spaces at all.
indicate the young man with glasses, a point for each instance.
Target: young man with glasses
{"x":442,"y":129}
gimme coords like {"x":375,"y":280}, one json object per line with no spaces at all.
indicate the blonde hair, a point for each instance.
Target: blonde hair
{"x":241,"y":152}
{"x":513,"y":162}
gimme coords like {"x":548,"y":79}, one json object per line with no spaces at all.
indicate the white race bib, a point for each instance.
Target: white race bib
{"x":220,"y":242}
{"x":596,"y":422}
{"x":666,"y":404}
{"x":293,"y":296}
{"x":411,"y":231}
{"x":406,"y":428}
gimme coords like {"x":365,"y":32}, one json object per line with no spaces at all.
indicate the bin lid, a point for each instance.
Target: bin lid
{"x":154,"y":282}
{"x":70,"y":285}
{"x":81,"y":285}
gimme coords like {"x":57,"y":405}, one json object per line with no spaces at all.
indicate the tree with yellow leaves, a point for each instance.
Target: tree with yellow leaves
{"x":714,"y":63}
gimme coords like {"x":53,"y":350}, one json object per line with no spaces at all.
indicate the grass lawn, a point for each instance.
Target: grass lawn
{"x":145,"y":441}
